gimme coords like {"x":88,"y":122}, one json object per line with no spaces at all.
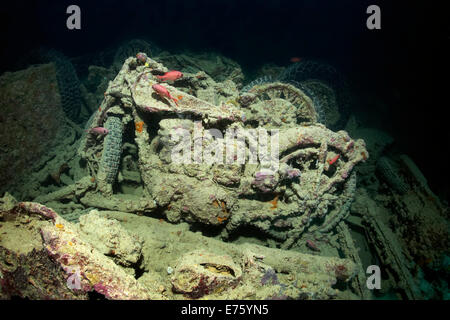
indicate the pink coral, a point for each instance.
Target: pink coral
{"x":74,"y":279}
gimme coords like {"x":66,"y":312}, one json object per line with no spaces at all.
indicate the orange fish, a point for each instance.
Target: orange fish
{"x":170,"y":76}
{"x":163,"y":92}
{"x":180,"y":97}
{"x":333,"y":160}
{"x":295,"y":59}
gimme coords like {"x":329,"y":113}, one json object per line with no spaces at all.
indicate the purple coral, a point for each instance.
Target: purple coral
{"x":151,"y":109}
{"x":263,"y":174}
{"x":269,"y":277}
{"x":142,"y":57}
{"x":264,"y":180}
{"x":288,"y":172}
{"x":38,"y":208}
{"x":74,"y":279}
{"x":102,"y":289}
{"x":292,"y":173}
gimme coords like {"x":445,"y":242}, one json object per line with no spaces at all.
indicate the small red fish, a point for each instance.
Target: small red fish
{"x":170,"y":76}
{"x":295,"y":59}
{"x":333,"y":160}
{"x":312,"y":245}
{"x":163,"y":92}
{"x":98,"y":131}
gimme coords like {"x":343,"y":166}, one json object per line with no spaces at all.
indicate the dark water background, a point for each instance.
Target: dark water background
{"x":405,"y":63}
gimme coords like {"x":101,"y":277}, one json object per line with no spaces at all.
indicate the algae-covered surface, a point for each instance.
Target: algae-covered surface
{"x":110,"y":214}
{"x":173,"y":247}
{"x":169,"y":261}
